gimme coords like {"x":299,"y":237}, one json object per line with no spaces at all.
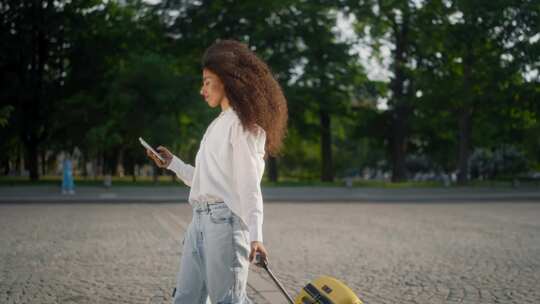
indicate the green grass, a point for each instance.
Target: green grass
{"x":356,"y":184}
{"x":400,"y":185}
{"x":125,"y":181}
{"x":167,"y":181}
{"x":302,"y":183}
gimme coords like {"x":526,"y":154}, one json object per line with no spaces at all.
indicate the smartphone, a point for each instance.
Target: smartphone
{"x":147,"y":146}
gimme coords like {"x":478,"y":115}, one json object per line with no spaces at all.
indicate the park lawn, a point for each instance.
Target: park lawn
{"x":167,"y":181}
{"x":127,"y":181}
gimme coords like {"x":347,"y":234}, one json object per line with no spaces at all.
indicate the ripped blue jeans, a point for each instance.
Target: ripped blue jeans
{"x":214,"y":265}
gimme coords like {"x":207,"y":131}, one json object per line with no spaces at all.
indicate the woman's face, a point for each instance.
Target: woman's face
{"x":212,"y":89}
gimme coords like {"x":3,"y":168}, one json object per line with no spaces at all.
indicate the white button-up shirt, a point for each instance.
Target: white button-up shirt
{"x":228,"y":167}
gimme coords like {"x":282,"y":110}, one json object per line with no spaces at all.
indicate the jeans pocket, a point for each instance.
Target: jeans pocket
{"x":220,"y":215}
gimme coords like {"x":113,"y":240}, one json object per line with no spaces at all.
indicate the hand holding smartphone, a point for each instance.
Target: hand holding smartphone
{"x":147,"y":146}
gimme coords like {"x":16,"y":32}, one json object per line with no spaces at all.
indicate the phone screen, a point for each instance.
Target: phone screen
{"x":147,"y":146}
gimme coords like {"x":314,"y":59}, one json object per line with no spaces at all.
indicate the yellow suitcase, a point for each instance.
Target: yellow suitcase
{"x":323,"y":290}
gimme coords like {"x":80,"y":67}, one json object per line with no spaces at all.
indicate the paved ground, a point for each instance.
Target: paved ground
{"x":387,"y":253}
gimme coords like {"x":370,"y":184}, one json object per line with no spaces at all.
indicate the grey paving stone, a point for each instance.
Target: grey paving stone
{"x":387,"y":253}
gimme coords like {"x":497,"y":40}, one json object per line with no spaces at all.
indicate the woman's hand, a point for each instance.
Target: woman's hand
{"x":165,"y":154}
{"x":258,"y":247}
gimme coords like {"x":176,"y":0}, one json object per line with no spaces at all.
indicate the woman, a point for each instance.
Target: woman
{"x":225,"y":233}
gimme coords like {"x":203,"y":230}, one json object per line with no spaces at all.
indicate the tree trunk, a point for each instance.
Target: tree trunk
{"x":133,"y":172}
{"x":326,"y":148}
{"x":19,"y":162}
{"x":84,"y":159}
{"x":465,"y":116}
{"x":119,"y":167}
{"x":399,"y":144}
{"x":465,"y":130}
{"x":32,"y":134}
{"x":6,"y":167}
{"x":155,"y":175}
{"x":104,"y":168}
{"x":272,"y":169}
{"x":43,"y":162}
{"x":32,"y":153}
{"x":401,"y":107}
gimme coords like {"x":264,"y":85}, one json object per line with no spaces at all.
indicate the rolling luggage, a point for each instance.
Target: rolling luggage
{"x":323,"y":290}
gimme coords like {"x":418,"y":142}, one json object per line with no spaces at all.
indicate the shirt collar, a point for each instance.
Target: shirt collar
{"x":229,"y":109}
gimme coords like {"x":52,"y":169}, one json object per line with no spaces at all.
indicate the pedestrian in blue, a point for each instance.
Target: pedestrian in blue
{"x":68,"y":186}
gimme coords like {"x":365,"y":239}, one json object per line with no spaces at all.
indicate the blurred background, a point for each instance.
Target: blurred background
{"x":442,"y":92}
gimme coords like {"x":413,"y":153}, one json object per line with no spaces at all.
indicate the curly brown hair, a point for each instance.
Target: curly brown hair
{"x":252,"y":90}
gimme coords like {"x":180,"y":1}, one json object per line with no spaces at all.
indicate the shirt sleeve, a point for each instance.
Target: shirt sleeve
{"x":248,"y":168}
{"x":182,"y":170}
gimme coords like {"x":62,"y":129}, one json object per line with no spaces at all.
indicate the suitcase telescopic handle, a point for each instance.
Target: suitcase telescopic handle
{"x":263,"y":263}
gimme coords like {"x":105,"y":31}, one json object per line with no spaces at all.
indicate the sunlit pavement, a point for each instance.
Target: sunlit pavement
{"x":386,"y":252}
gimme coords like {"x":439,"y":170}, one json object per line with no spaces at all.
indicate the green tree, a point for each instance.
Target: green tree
{"x":33,"y":65}
{"x":295,"y":38}
{"x":393,"y":23}
{"x":470,"y":74}
{"x":111,"y":87}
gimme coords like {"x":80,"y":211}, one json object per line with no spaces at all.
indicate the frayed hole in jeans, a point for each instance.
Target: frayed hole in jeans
{"x":229,"y":297}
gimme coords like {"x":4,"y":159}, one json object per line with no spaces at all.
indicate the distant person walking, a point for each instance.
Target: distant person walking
{"x":226,"y":229}
{"x":68,"y":186}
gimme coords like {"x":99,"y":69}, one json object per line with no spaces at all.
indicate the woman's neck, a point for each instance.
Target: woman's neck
{"x":224,"y":104}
